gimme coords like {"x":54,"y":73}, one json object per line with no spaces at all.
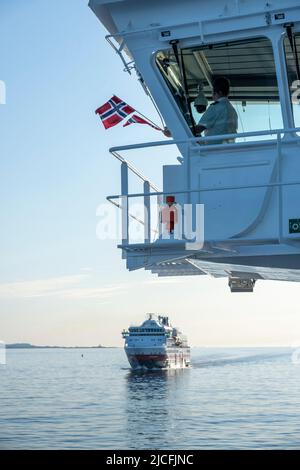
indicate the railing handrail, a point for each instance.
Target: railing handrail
{"x":224,"y":188}
{"x":134,"y":217}
{"x":148,"y":185}
{"x":210,"y":138}
{"x":134,"y":170}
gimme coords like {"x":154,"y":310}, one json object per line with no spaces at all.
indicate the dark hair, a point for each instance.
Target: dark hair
{"x":221,"y":84}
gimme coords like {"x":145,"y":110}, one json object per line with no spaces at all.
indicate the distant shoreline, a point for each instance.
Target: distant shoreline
{"x":32,"y":346}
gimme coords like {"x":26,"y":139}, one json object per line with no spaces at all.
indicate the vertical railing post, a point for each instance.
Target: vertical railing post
{"x":279,"y":178}
{"x":188,"y":173}
{"x":124,"y":203}
{"x":159,"y":200}
{"x":147,"y":214}
{"x":187,"y":183}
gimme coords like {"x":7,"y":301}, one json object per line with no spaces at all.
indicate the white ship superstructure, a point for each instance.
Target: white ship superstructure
{"x":247,"y":183}
{"x":155,"y":344}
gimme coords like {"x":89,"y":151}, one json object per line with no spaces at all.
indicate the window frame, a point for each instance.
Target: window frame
{"x":296,"y":29}
{"x":185,"y":43}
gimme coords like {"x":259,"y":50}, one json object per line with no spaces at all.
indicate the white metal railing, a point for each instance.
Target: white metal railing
{"x":126,"y":214}
{"x":190,"y":144}
{"x":128,"y":65}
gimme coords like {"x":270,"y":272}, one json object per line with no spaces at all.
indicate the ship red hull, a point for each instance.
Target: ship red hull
{"x":158,"y":361}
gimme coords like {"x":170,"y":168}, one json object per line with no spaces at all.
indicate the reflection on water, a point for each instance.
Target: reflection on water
{"x":149,"y":407}
{"x":229,"y":398}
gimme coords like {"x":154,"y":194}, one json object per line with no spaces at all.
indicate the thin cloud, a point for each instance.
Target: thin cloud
{"x":62,"y":287}
{"x":92,"y":292}
{"x":77,"y":286}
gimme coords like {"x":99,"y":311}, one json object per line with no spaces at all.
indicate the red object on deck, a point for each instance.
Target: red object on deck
{"x":169,"y":214}
{"x":170,"y":199}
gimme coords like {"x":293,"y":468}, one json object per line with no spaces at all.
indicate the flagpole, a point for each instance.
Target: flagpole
{"x":149,"y":120}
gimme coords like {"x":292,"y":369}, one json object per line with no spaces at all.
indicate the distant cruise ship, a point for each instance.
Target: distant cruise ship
{"x":156,"y":345}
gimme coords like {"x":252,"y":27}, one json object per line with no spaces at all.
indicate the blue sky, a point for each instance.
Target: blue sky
{"x":59,"y":284}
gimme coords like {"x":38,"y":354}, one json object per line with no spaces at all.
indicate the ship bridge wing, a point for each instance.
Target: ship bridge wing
{"x":236,"y":189}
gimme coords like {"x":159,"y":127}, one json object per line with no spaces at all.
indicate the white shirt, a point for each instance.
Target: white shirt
{"x":220,"y":118}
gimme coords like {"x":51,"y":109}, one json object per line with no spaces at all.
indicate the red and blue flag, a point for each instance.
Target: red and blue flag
{"x":113,"y":111}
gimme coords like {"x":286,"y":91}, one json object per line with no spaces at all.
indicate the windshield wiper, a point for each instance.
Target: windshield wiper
{"x":182,"y":71}
{"x":292,"y":38}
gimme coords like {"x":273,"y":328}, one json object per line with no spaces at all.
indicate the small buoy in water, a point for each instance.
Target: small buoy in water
{"x":81,"y":355}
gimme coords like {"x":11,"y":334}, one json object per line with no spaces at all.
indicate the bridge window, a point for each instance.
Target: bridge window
{"x":292,"y":54}
{"x":247,"y":64}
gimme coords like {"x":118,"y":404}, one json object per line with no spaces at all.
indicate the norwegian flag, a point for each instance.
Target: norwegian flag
{"x":113,"y":111}
{"x":135,"y":119}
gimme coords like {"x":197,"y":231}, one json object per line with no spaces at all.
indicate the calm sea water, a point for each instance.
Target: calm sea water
{"x":229,"y":399}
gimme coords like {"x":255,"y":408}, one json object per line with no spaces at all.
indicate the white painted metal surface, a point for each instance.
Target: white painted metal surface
{"x":250,"y":189}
